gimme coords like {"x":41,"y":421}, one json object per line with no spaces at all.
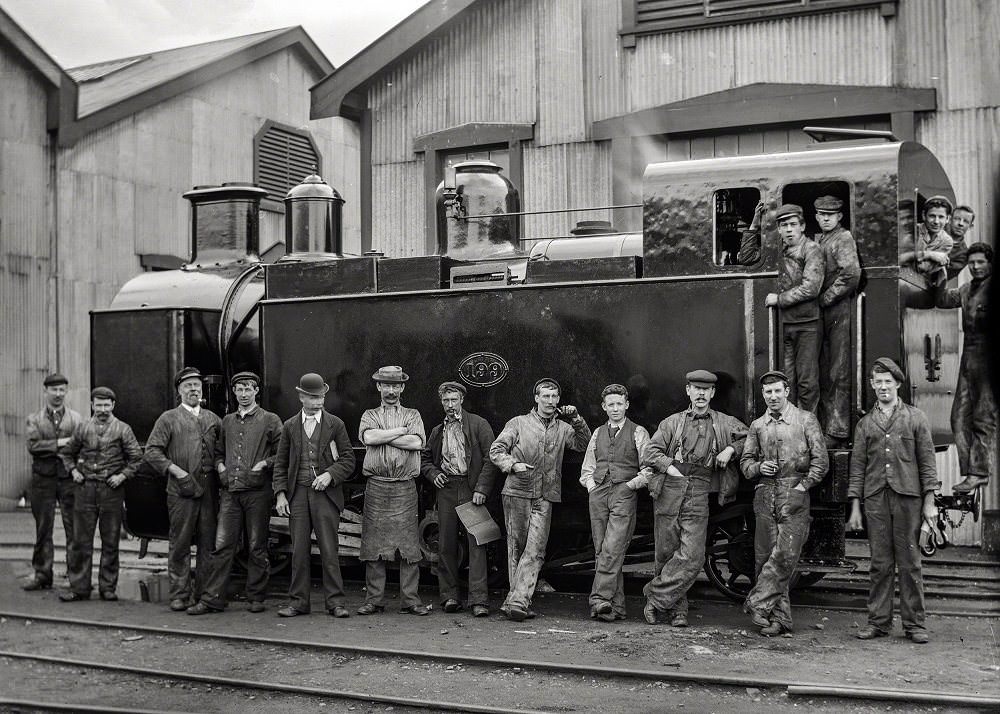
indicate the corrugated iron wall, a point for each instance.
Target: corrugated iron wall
{"x":25,"y":195}
{"x":565,"y":176}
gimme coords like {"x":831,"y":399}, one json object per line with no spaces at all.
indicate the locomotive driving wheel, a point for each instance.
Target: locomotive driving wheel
{"x":729,"y":558}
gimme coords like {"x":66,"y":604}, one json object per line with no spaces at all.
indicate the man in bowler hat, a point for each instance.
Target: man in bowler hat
{"x":456,"y":461}
{"x":49,"y":432}
{"x":244,"y":455}
{"x":313,"y":461}
{"x":181,"y":447}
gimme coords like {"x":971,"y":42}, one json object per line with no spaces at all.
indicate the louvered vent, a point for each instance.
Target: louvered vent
{"x":283,"y":156}
{"x":664,"y":15}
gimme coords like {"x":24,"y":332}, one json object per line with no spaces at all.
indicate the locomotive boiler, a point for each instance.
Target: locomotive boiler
{"x":643,"y":312}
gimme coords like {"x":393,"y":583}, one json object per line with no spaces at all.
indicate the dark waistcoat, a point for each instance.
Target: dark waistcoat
{"x":616,"y":457}
{"x":309,"y":458}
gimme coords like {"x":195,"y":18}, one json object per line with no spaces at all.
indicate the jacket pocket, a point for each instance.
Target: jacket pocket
{"x":254,"y":479}
{"x":189,"y":487}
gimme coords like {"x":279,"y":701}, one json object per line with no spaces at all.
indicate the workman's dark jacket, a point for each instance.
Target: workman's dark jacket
{"x":478,"y":440}
{"x":972,"y":298}
{"x":102,"y":449}
{"x":339,"y":466}
{"x":179,"y":437}
{"x":899,"y":454}
{"x":800,"y":281}
{"x":43,"y":436}
{"x":659,"y":452}
{"x":795,"y":440}
{"x":245,"y":441}
{"x":843,"y":270}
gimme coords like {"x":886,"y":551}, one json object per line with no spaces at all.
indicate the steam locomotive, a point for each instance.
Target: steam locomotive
{"x":597,"y":307}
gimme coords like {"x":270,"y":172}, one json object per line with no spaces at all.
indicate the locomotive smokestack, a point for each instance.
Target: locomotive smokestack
{"x":224,"y":223}
{"x":313,"y":219}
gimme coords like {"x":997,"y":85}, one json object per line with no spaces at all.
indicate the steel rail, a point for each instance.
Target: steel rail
{"x":269,"y":686}
{"x":569,"y":668}
{"x":33,"y":705}
{"x":897,"y":695}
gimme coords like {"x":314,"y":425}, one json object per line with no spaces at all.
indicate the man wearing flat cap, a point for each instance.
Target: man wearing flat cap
{"x":456,"y":461}
{"x":530,"y":451}
{"x":842,"y":273}
{"x":798,"y":306}
{"x":893,"y":471}
{"x":49,"y":432}
{"x":181,"y":447}
{"x":933,"y":244}
{"x":313,"y":461}
{"x":244,"y":456}
{"x":101,"y":455}
{"x":394,"y":437}
{"x":611,"y":475}
{"x":692,"y":453}
{"x":785,"y":454}
{"x":974,"y":409}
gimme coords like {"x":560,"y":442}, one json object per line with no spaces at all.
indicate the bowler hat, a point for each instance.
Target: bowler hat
{"x":244,"y":377}
{"x":313,"y":385}
{"x":771,"y":376}
{"x":788,"y":209}
{"x":54,"y":380}
{"x":186,"y":373}
{"x":701,"y":377}
{"x":892,"y":368}
{"x":391,"y":373}
{"x":103,"y":393}
{"x":830,"y":204}
{"x":452,"y":387}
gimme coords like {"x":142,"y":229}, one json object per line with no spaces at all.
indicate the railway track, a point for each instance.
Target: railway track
{"x":789,"y":685}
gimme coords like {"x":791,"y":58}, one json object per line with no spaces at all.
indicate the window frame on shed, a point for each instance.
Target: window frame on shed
{"x":275,"y":202}
{"x":637,"y":19}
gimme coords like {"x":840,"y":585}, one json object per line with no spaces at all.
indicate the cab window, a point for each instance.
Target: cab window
{"x":804,"y":194}
{"x":734,"y":209}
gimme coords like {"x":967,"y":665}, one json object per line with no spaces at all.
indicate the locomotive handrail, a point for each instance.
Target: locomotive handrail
{"x":553,"y":210}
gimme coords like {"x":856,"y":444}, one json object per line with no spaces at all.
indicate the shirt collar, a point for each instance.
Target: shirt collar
{"x":542,"y":419}
{"x":310,"y":416}
{"x":452,"y":419}
{"x":56,"y":414}
{"x":248,"y":412}
{"x":895,"y":406}
{"x":194,"y":410}
{"x":694,"y":415}
{"x":782,"y":415}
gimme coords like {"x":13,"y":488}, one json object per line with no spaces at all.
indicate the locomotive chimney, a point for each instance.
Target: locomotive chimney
{"x":313,"y":219}
{"x":224,"y":223}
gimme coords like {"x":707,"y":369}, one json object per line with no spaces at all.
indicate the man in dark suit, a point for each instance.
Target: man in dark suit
{"x":454,"y":462}
{"x":313,"y":461}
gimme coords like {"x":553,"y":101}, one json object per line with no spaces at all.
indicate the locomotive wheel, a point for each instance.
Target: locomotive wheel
{"x":729,"y":558}
{"x":430,"y":541}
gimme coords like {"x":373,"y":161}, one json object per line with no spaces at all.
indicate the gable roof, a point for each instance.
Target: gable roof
{"x":342,"y":92}
{"x":101,"y":93}
{"x":29,"y":49}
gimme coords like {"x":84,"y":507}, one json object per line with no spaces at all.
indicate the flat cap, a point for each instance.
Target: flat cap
{"x":244,"y":377}
{"x":701,"y":377}
{"x":452,"y":387}
{"x":772,"y":376}
{"x":103,"y":393}
{"x":187,"y":373}
{"x":391,"y":373}
{"x":939,"y":202}
{"x":891,"y":367}
{"x":54,"y":380}
{"x":830,"y":204}
{"x":788,"y":209}
{"x":543,"y":380}
{"x":312,"y":384}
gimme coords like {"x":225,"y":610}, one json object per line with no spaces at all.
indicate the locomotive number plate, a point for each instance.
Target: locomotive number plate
{"x":483,"y":369}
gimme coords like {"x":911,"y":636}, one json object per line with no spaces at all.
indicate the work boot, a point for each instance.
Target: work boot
{"x":108,"y":595}
{"x":200,"y":608}
{"x":758,"y":619}
{"x":451,"y":605}
{"x":774,"y":629}
{"x":480,"y":611}
{"x":70,"y":596}
{"x":649,"y":612}
{"x":870,"y":632}
{"x":257,"y":606}
{"x":179,"y":605}
{"x":919,"y":637}
{"x":970,"y":483}
{"x":679,"y":620}
{"x":516,"y":614}
{"x":36,"y":584}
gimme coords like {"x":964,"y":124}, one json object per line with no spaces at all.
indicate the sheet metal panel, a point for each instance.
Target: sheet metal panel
{"x":565,"y":176}
{"x":398,"y":209}
{"x":606,"y":87}
{"x":972,"y":29}
{"x":561,"y":116}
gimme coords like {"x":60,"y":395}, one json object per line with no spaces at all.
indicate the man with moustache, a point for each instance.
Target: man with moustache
{"x":611,"y":475}
{"x":101,"y":455}
{"x":181,"y":447}
{"x":394,"y":437}
{"x":962,"y":220}
{"x":456,"y":462}
{"x":785,"y":451}
{"x":244,"y":455}
{"x":974,"y":409}
{"x":530,"y":451}
{"x":692,"y":453}
{"x":313,"y":460}
{"x":49,"y":432}
{"x":893,"y":469}
{"x":841,"y":276}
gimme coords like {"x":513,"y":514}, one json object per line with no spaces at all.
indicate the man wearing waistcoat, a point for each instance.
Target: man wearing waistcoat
{"x":785,"y":453}
{"x":456,"y":462}
{"x":49,"y":432}
{"x":610,"y":473}
{"x":692,"y":453}
{"x":530,"y":451}
{"x":313,"y":461}
{"x":244,"y":456}
{"x":181,"y":447}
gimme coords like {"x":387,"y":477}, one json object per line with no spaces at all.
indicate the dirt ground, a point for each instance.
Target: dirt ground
{"x":963,"y":657}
